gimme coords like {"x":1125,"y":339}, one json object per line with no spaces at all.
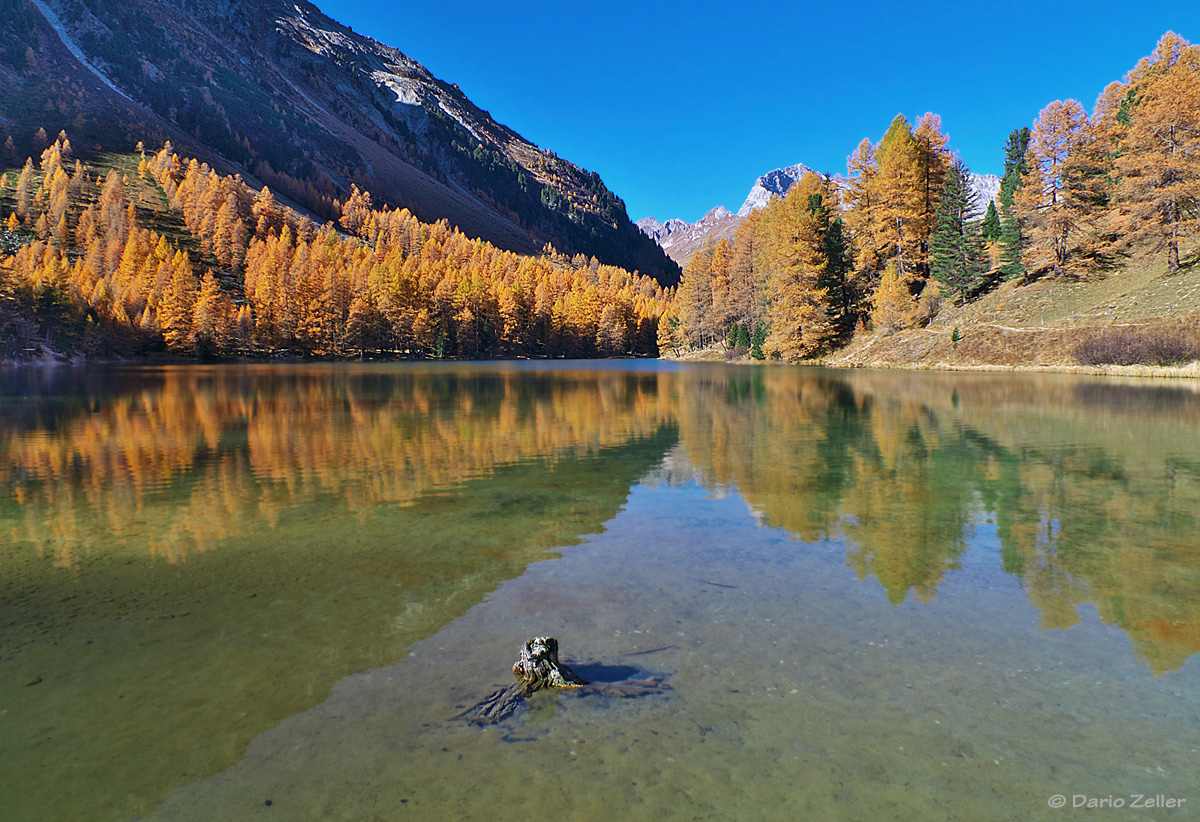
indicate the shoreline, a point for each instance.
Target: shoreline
{"x":1188,"y":371}
{"x":711,"y":355}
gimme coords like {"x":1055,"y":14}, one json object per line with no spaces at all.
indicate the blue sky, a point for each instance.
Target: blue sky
{"x":680,"y":106}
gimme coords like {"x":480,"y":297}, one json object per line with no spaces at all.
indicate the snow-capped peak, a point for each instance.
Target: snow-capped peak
{"x":772,"y":184}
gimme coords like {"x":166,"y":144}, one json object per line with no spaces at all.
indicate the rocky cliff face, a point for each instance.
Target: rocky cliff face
{"x":279,"y":92}
{"x":772,"y":184}
{"x":681,"y":239}
{"x":987,"y":188}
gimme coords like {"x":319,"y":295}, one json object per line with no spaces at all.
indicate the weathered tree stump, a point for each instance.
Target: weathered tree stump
{"x":539,"y":668}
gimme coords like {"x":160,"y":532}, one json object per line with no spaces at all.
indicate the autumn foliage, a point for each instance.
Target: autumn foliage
{"x":244,"y":275}
{"x":884,"y":245}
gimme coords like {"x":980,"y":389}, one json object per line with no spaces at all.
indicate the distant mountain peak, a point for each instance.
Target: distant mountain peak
{"x":772,"y":184}
{"x":681,"y":239}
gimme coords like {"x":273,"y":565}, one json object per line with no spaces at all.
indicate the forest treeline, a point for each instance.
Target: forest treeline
{"x":884,"y":246}
{"x":173,"y":256}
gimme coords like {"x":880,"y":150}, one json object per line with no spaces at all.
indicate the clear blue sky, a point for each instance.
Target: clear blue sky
{"x":680,"y":106}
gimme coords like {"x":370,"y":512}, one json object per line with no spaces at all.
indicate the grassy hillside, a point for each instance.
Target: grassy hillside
{"x":1054,"y":321}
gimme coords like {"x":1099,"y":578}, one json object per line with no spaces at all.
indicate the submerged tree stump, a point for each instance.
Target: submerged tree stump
{"x":539,"y":668}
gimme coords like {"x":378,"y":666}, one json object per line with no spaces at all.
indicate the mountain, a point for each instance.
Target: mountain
{"x":772,"y":184}
{"x":277,"y":91}
{"x":680,"y":239}
{"x":986,"y":188}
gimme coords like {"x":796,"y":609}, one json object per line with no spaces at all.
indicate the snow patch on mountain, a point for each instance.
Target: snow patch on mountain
{"x":680,"y":239}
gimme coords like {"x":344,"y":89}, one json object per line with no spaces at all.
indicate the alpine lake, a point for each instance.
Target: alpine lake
{"x":253,"y":592}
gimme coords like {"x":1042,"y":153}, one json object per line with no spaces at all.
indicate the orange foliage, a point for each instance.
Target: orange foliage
{"x":277,"y":280}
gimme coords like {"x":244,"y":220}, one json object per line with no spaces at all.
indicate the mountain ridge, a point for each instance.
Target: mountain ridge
{"x":288,"y":97}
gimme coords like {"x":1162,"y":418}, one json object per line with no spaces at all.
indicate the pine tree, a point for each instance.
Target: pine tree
{"x":835,"y":279}
{"x":991,"y":223}
{"x":743,"y":337}
{"x":954,"y":250}
{"x":1012,"y":238}
{"x":758,"y":340}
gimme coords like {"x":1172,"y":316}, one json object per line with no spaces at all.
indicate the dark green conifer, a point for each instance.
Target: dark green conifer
{"x":991,"y":223}
{"x":743,"y":336}
{"x":1012,"y":239}
{"x":954,"y":258}
{"x":756,"y":342}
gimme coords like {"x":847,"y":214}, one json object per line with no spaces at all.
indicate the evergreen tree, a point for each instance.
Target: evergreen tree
{"x":991,"y":223}
{"x":756,"y":342}
{"x":836,"y":277}
{"x":954,"y":250}
{"x":743,"y":336}
{"x":1012,"y":239}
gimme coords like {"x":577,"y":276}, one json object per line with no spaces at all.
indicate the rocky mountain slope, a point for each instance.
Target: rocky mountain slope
{"x":772,"y":184}
{"x":279,"y":92}
{"x":986,"y":188}
{"x":680,"y":239}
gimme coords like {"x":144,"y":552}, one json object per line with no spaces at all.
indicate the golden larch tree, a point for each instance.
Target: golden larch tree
{"x":1159,"y":165}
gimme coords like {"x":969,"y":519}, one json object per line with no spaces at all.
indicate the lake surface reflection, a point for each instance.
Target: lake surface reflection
{"x":875,"y":595}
